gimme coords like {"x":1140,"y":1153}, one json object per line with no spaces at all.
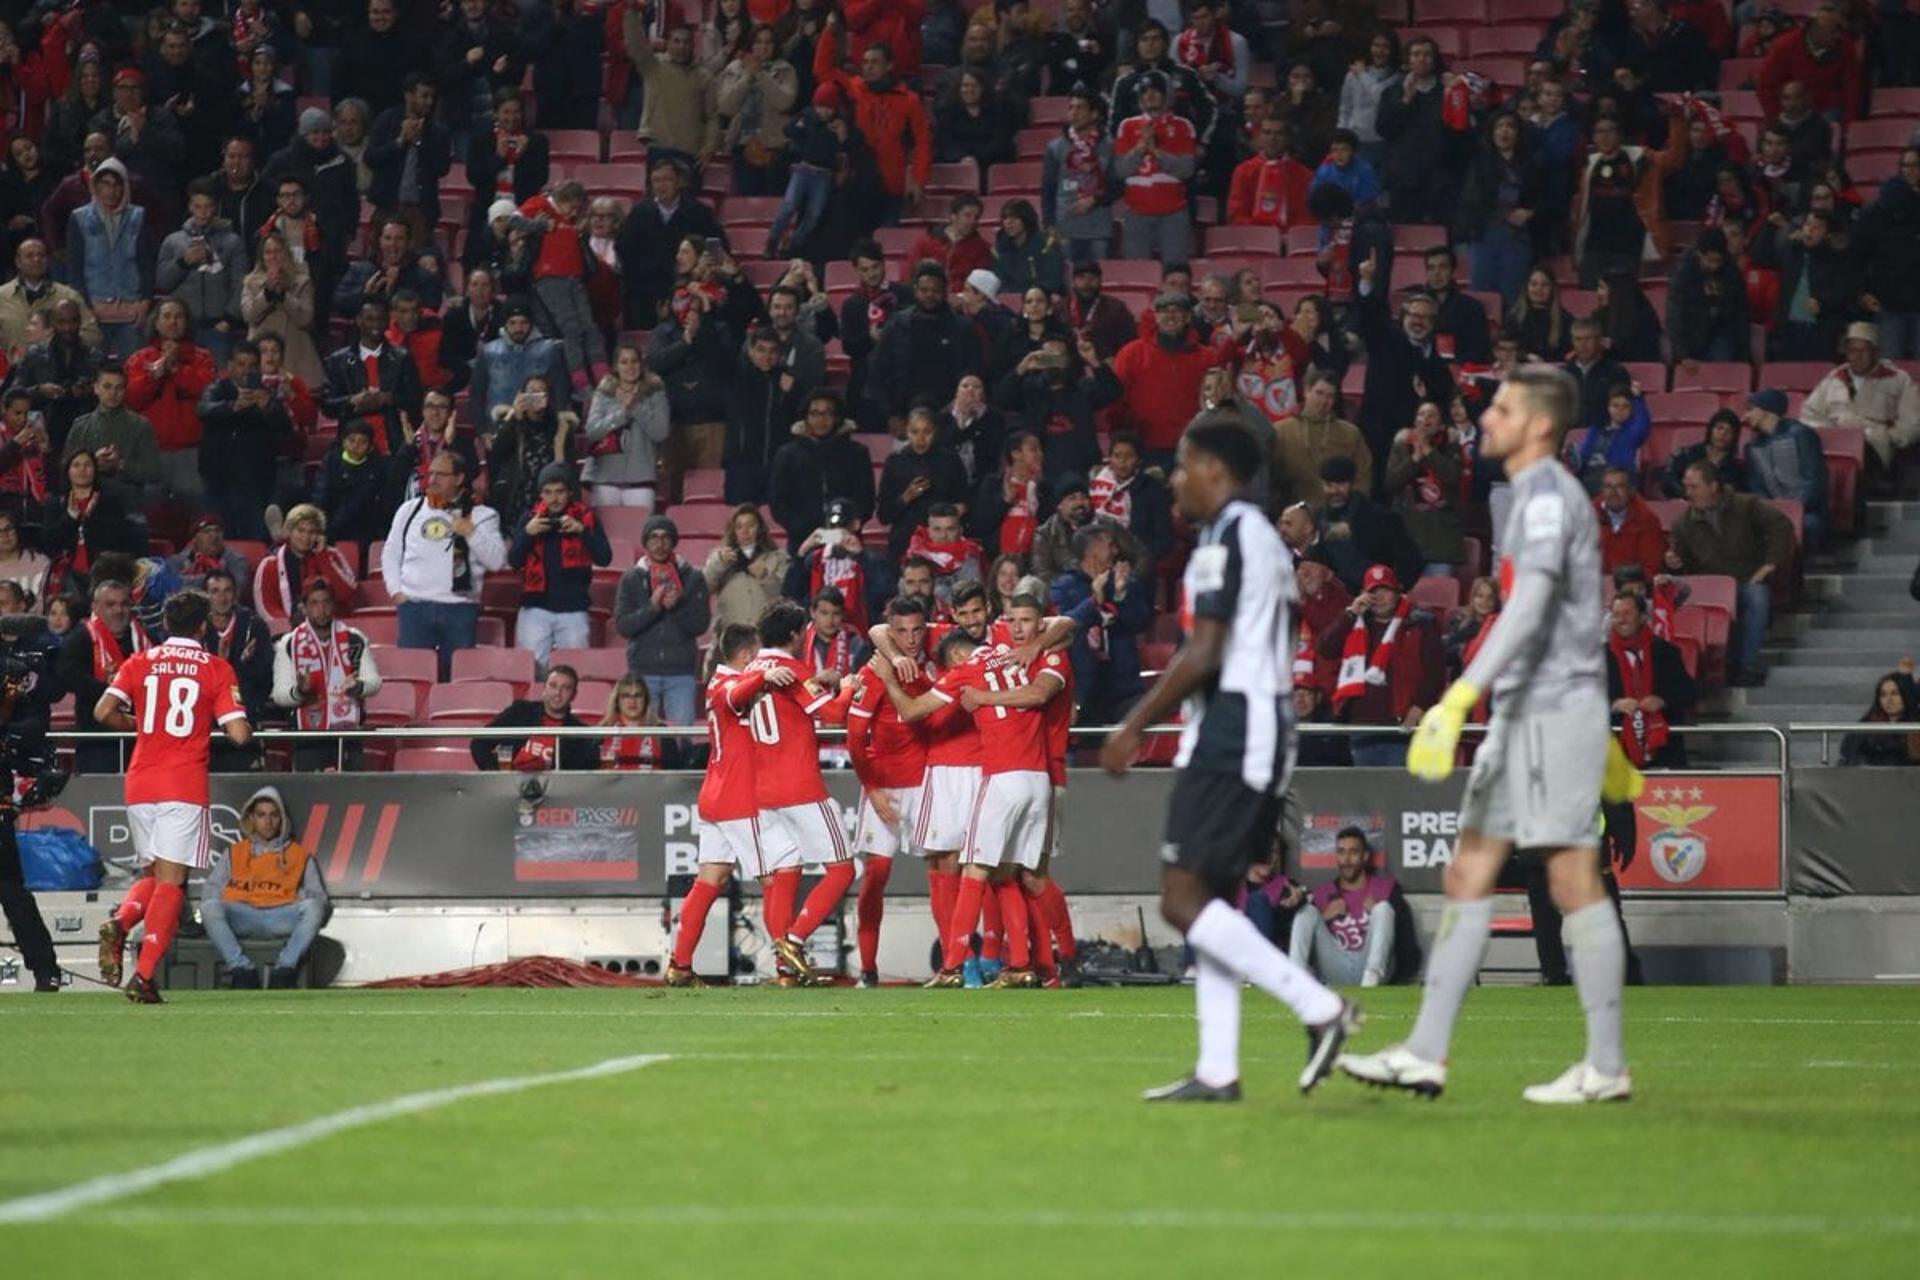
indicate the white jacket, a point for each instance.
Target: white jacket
{"x":417,"y":560}
{"x":1886,"y":398}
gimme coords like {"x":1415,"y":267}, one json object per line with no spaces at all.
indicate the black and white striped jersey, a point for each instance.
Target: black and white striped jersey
{"x":1241,"y":723}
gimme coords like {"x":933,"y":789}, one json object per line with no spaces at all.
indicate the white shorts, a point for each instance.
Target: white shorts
{"x":734,"y":840}
{"x":1011,"y":821}
{"x":802,"y":835}
{"x":1059,"y":821}
{"x":173,"y":831}
{"x":946,"y":807}
{"x":872,"y":836}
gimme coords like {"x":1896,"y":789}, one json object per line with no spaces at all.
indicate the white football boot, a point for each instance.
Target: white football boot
{"x":1396,"y":1067}
{"x":1581,"y":1083}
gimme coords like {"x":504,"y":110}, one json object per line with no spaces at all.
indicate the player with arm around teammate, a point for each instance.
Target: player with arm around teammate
{"x":727,"y":811}
{"x":1548,"y":759}
{"x":171,"y":696}
{"x":1234,"y":673}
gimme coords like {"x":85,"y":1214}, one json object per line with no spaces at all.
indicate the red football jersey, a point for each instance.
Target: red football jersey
{"x":176,"y":692}
{"x":786,"y":769}
{"x":887,"y":752}
{"x":726,"y":793}
{"x":951,"y":737}
{"x":1012,"y":739}
{"x":1058,"y":713}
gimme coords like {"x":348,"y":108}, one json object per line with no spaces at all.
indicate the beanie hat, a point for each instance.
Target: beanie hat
{"x":314,"y":120}
{"x":661,"y":524}
{"x":827,"y":95}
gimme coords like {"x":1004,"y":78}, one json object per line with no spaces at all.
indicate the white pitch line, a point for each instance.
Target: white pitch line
{"x":208,"y":1161}
{"x":513,"y":1217}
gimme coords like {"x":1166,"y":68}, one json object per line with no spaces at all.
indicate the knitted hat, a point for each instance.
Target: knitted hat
{"x":313,"y":120}
{"x":1339,"y":469}
{"x":561,"y":473}
{"x":1769,"y":400}
{"x":660,"y":524}
{"x":827,"y":95}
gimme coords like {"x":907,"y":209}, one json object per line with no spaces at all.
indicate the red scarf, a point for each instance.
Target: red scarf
{"x":539,"y":754}
{"x":307,"y":242}
{"x":1269,"y":374}
{"x":107,"y":653}
{"x":683,"y":299}
{"x":881,"y":304}
{"x":1112,"y":496}
{"x":326,"y":665}
{"x":846,"y":573}
{"x":665,"y":573}
{"x":1022,"y":520}
{"x":1664,"y":601}
{"x":947,"y":557}
{"x":1204,"y":53}
{"x":28,"y":477}
{"x":1273,"y":194}
{"x":515,"y":143}
{"x":573,"y":552}
{"x":1082,"y":163}
{"x":1357,"y":670}
{"x":839,"y":651}
{"x":1642,"y":733}
{"x":1428,"y":493}
{"x":630,"y":754}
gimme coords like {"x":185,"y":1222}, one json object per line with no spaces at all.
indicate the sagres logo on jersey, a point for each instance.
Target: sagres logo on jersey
{"x":1678,"y":853}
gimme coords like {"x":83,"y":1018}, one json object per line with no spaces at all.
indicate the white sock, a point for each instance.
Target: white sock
{"x":1599,"y":962}
{"x":1216,"y":999}
{"x":1233,"y":942}
{"x":1451,"y":969}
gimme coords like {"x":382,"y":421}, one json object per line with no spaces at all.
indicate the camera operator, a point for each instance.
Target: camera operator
{"x":89,"y":656}
{"x":28,"y":689}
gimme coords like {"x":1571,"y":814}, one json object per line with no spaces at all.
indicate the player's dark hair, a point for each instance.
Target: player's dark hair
{"x":906,"y":607}
{"x":1551,"y":391}
{"x":187,"y":613}
{"x":1024,"y":601}
{"x":1219,"y":433}
{"x":969,"y":591}
{"x":1354,"y":833}
{"x":829,"y":595}
{"x":782,"y":621}
{"x":952,"y":643}
{"x":734,"y":637}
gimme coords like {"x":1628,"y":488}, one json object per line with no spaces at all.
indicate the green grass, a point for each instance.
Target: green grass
{"x":968,"y":1134}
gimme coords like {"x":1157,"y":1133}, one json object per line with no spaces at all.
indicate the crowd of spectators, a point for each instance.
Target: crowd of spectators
{"x":617,"y":320}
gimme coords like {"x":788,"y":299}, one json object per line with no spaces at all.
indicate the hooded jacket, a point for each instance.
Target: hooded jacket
{"x":809,"y":472}
{"x":103,"y":250}
{"x":264,"y":873}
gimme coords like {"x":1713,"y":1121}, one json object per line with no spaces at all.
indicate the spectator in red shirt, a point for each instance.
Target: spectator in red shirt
{"x":958,"y":246}
{"x":1160,"y":378}
{"x":164,"y":382}
{"x":888,"y":113}
{"x":1270,"y":190}
{"x":1820,"y":56}
{"x":1629,"y":531}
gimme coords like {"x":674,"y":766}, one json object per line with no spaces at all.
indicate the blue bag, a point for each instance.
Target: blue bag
{"x":59,"y":858}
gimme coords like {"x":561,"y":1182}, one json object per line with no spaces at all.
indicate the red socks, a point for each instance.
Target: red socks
{"x":693,"y":920}
{"x":943,"y":890}
{"x":1013,"y":920}
{"x":966,"y":913}
{"x":1041,"y":944}
{"x":825,"y":897}
{"x":873,"y":903}
{"x":992,"y":927}
{"x":776,"y":907}
{"x":1059,"y":919}
{"x":134,"y":905}
{"x":163,"y":917}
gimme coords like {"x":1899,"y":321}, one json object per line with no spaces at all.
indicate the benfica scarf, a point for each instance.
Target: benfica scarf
{"x":1642,"y":733}
{"x":539,"y":753}
{"x":838,"y":655}
{"x":1111,"y":497}
{"x":573,"y":552}
{"x":1428,"y":493}
{"x":846,"y":573}
{"x":1205,"y":53}
{"x":1022,"y":520}
{"x":28,"y":477}
{"x":684,"y":295}
{"x":1357,"y":669}
{"x":108,"y":653}
{"x":1273,"y":194}
{"x":1663,"y":603}
{"x":665,"y":574}
{"x":515,"y":143}
{"x":630,"y":754}
{"x":326,"y":665}
{"x":1719,"y":129}
{"x":1269,"y":375}
{"x":291,"y":577}
{"x":947,"y":557}
{"x":881,"y":304}
{"x":1083,"y":174}
{"x":304,"y":242}
{"x":1468,"y":92}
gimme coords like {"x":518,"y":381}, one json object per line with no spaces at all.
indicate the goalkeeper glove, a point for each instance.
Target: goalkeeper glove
{"x":1435,"y":742}
{"x":1622,"y":781}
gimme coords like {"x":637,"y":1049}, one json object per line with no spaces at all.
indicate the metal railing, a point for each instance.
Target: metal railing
{"x":1866,"y":728}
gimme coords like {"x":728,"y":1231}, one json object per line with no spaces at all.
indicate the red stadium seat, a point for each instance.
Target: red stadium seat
{"x":594,"y":664}
{"x":1499,"y":42}
{"x":1794,"y":375}
{"x":471,"y":702}
{"x":879,"y":448}
{"x":395,"y":663}
{"x":1435,"y":594}
{"x":704,"y":486}
{"x":1689,"y":635}
{"x":490,"y":632}
{"x":1416,"y":238}
{"x":1900,"y":102}
{"x":1682,"y":408}
{"x":1452,"y":13}
{"x":956,"y":178}
{"x":1846,"y":453}
{"x":1725,"y":377}
{"x":1128,"y":273}
{"x":1738,"y":73}
{"x":701,"y":519}
{"x":1031,"y":144}
{"x":1870,"y":168}
{"x":515,"y":666}
{"x":624,"y":146}
{"x":623,"y":178}
{"x":573,"y":144}
{"x":432,"y":760}
{"x":1246,"y":240}
{"x":1535,"y":14}
{"x":1666,"y":510}
{"x":396,"y":705}
{"x":1020,"y":177}
{"x":379,"y":628}
{"x":623,"y":522}
{"x":1880,"y":133}
{"x":1741,"y":104}
{"x":1048,"y":111}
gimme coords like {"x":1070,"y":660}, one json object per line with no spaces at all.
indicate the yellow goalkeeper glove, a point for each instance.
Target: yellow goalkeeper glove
{"x":1622,"y":781}
{"x":1435,"y":742}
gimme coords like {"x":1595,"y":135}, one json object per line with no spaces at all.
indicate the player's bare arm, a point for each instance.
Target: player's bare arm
{"x":905,"y":705}
{"x":1056,"y":633}
{"x":883,"y":647}
{"x":1028,"y":696}
{"x":1197,"y":662}
{"x":111,"y":713}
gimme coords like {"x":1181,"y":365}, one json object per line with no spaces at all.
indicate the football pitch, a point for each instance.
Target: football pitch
{"x":848,"y":1133}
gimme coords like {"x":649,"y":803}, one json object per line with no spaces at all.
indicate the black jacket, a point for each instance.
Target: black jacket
{"x":1417,"y":172}
{"x":1375,"y":535}
{"x":357,"y":497}
{"x":374,"y":67}
{"x":346,"y":377}
{"x":529,"y":713}
{"x":1063,"y":416}
{"x":460,"y":340}
{"x":648,"y":242}
{"x":1676,"y":60}
{"x":484,"y":167}
{"x":760,"y":415}
{"x":1394,"y":367}
{"x":333,"y":191}
{"x":808,"y":472}
{"x":1832,"y":281}
{"x":1673,"y":685}
{"x":239,"y":448}
{"x":387,"y":158}
{"x":107,"y":529}
{"x":1887,"y":240}
{"x":250,"y":649}
{"x":1463,"y":318}
{"x":567,"y":590}
{"x":1701,"y":308}
{"x":946,"y":482}
{"x":921,"y":355}
{"x":1594,"y":384}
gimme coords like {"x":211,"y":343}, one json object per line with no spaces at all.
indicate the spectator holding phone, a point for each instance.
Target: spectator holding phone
{"x":556,"y":551}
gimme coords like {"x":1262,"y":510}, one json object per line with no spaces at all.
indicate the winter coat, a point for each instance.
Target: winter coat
{"x":946,"y":482}
{"x":1887,"y":240}
{"x":1696,"y":318}
{"x":1639,"y":539}
{"x":741,"y":593}
{"x":921,"y":354}
{"x":661,"y":642}
{"x":810,"y":472}
{"x":642,"y":428}
{"x":1041,"y":262}
{"x":170,"y":401}
{"x":1741,"y":535}
{"x":1788,"y":464}
{"x":387,"y":156}
{"x":287,"y":314}
{"x":211,"y":290}
{"x":775,"y":87}
{"x":354,"y":496}
{"x":1435,"y":529}
{"x":1110,"y":675}
{"x":1062,"y":416}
